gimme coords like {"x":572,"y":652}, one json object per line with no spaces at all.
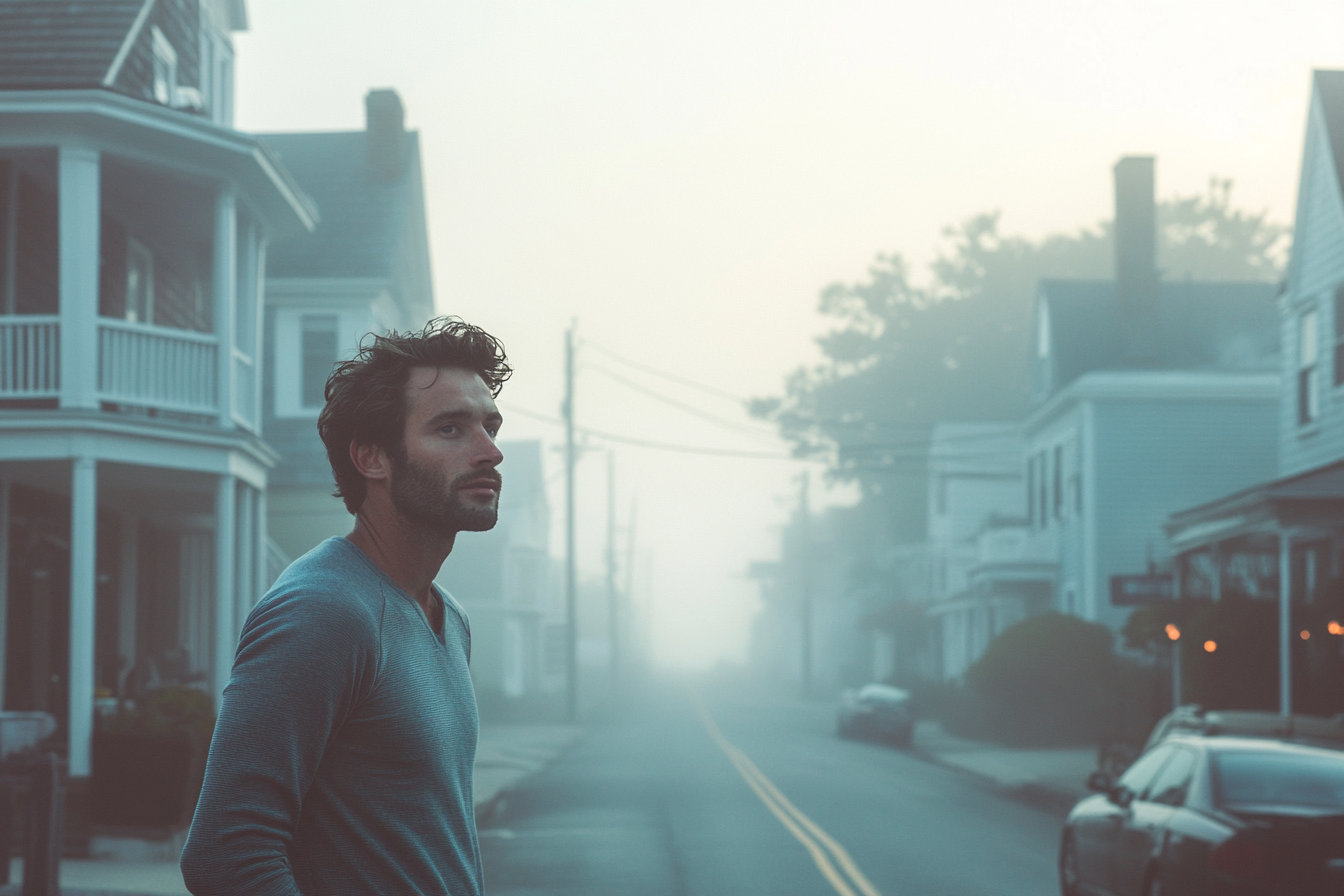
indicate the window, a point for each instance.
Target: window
{"x":318,"y":352}
{"x":1339,"y":335}
{"x":1042,"y":490}
{"x":139,"y":282}
{"x":1308,"y":390}
{"x":1031,"y":491}
{"x":165,"y":69}
{"x":1057,"y":483}
{"x":1138,"y":776}
{"x":1171,"y":784}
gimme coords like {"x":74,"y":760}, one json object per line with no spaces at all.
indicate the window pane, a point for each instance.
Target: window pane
{"x":1268,"y":779}
{"x":1308,"y":342}
{"x":1137,"y":777}
{"x":1171,"y":785}
{"x":319,"y":354}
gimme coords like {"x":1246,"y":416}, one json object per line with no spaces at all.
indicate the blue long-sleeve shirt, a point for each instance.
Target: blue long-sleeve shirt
{"x":342,"y":758}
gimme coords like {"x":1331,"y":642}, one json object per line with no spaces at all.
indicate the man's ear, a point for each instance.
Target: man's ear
{"x":370,"y":460}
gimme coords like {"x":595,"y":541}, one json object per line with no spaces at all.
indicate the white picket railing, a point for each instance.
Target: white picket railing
{"x":30,"y":356}
{"x":157,"y":367}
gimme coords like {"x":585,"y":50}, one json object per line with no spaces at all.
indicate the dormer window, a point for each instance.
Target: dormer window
{"x":165,"y":69}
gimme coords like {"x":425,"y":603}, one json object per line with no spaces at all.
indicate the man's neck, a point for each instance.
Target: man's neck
{"x":407,"y":555}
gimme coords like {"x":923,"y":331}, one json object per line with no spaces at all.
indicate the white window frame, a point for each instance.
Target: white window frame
{"x":287,"y":357}
{"x":1308,"y":386}
{"x":138,"y":250}
{"x":165,"y":68}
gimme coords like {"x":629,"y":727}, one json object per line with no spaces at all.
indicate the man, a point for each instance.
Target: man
{"x":342,"y":759}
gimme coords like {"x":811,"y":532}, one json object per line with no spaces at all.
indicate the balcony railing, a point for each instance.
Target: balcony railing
{"x":138,"y":365}
{"x":157,"y":367}
{"x":30,"y":357}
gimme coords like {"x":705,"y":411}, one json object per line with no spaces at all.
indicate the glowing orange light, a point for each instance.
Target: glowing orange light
{"x":1173,"y":632}
{"x":1210,"y":646}
{"x":1304,"y":635}
{"x":1335,"y":628}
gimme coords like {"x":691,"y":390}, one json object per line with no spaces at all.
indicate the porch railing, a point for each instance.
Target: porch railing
{"x":30,"y":358}
{"x":158,"y":367}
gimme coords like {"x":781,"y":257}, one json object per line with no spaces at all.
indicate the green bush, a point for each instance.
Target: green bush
{"x":1049,"y":679}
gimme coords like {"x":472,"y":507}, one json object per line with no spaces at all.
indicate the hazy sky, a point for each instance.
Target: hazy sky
{"x":683,"y":177}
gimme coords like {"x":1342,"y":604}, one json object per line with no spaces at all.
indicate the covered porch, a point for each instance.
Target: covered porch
{"x":118,"y":578}
{"x":1278,"y":541}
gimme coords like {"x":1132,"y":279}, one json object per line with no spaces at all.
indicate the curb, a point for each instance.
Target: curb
{"x":1053,"y":800}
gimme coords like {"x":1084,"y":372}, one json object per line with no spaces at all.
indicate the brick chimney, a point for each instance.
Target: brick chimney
{"x":385,"y":129}
{"x":1136,"y":275}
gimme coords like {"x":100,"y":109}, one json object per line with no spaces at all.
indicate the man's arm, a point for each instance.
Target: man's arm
{"x":302,"y":663}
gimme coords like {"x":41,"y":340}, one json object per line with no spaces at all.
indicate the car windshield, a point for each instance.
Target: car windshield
{"x":1272,"y":778}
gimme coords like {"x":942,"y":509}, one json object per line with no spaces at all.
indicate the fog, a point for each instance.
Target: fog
{"x":681,"y":179}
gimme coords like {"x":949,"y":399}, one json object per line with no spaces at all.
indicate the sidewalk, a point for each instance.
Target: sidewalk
{"x":1051,"y":778}
{"x":505,"y":754}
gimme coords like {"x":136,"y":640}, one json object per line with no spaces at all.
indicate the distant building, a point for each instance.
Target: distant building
{"x":505,"y":580}
{"x":1148,"y":396}
{"x":985,"y":577}
{"x":133,"y":225}
{"x":1242,"y":541}
{"x":364,"y":269}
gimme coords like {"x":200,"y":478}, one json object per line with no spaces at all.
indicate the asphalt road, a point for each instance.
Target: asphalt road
{"x":716,"y":790}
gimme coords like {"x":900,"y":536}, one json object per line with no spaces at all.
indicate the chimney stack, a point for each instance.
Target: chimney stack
{"x":1136,"y":275}
{"x":385,"y":127}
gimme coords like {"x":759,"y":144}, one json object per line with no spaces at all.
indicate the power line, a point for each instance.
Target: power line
{"x":661,"y":446}
{"x":658,"y":396}
{"x":676,"y":378}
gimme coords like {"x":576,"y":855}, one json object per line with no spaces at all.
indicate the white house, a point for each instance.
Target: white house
{"x":134,"y":222}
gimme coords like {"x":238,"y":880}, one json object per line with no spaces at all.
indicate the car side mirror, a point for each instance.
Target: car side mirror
{"x":1099,"y":782}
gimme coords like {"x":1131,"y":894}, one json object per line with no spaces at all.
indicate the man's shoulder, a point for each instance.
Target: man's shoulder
{"x":329,"y":583}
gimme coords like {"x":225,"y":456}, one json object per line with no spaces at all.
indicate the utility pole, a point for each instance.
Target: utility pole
{"x":805,"y":580}
{"x":613,"y":610}
{"x":571,"y":569}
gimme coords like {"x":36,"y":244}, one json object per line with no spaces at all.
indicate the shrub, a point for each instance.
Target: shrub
{"x":1049,"y":679}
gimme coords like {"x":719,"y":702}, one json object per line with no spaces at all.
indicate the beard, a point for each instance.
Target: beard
{"x":426,"y":500}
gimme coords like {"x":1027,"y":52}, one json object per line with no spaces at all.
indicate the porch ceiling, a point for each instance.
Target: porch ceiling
{"x":1311,"y":500}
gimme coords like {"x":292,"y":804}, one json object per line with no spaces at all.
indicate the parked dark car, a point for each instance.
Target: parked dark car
{"x":877,"y":711}
{"x":1211,"y":816}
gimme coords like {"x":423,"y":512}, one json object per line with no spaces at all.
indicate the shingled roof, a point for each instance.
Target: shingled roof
{"x":363,"y":216}
{"x":50,"y":44}
{"x":1198,"y":325}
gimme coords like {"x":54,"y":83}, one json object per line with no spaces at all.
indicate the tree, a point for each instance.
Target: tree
{"x":902,"y":356}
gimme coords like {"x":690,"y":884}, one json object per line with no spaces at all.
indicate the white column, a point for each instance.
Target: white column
{"x":226,"y":636}
{"x":226,"y":287}
{"x":4,"y":582}
{"x":259,"y":324}
{"x":83,"y":550}
{"x":128,"y":592}
{"x":245,"y":551}
{"x":1285,"y":623}
{"x":78,"y":213}
{"x":263,"y":550}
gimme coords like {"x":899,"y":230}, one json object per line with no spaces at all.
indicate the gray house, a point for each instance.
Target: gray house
{"x":1280,"y":538}
{"x":365,"y":268}
{"x":1148,"y":396}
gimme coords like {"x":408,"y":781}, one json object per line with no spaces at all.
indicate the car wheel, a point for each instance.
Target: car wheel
{"x":1070,"y":882}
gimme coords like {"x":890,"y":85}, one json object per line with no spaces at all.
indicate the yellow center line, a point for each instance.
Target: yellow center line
{"x":807,"y":832}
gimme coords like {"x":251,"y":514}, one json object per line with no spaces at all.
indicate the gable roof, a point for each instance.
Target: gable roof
{"x":364,"y":218}
{"x":53,"y":44}
{"x":1330,"y":88}
{"x":1199,"y":325}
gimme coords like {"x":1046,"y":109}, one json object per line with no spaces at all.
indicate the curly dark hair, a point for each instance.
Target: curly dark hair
{"x":366,"y":396}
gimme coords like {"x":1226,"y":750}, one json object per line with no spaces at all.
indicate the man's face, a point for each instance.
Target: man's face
{"x":445,"y":479}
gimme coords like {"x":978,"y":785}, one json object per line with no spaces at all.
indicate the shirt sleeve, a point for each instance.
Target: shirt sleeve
{"x":304,"y":660}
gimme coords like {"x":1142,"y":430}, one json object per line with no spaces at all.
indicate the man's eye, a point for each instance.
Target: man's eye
{"x":449,"y":430}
